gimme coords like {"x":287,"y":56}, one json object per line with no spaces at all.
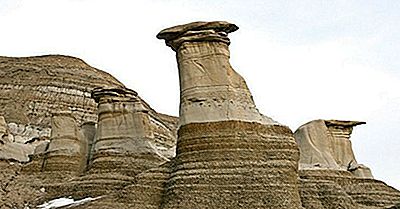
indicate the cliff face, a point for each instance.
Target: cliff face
{"x":48,"y":122}
{"x":34,"y":89}
{"x":70,"y":130}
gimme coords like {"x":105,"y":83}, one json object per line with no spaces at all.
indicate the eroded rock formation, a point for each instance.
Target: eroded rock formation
{"x":228,"y":155}
{"x":33,"y":89}
{"x":124,"y":135}
{"x":329,"y":172}
{"x":326,"y":144}
{"x":71,"y":130}
{"x":210,"y":89}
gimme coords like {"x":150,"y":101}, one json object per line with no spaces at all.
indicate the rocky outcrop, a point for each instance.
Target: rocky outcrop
{"x":67,"y":151}
{"x":122,"y":147}
{"x":33,"y":89}
{"x":73,"y":131}
{"x":329,"y":172}
{"x":12,"y":148}
{"x":228,"y":155}
{"x":210,"y":89}
{"x":123,"y":135}
{"x":326,"y":144}
{"x":49,"y":127}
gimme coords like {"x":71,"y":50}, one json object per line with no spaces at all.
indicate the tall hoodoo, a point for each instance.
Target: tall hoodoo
{"x":210,"y":89}
{"x":228,"y":154}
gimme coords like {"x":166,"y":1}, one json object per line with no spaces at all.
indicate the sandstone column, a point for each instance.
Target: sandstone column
{"x":123,"y":132}
{"x":342,"y":149}
{"x":66,"y":152}
{"x":325,"y":144}
{"x":228,"y":154}
{"x":210,"y":89}
{"x":330,"y":175}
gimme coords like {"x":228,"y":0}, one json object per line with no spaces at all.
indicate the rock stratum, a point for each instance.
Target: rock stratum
{"x":70,"y":130}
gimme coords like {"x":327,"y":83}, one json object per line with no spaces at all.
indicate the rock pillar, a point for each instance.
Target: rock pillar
{"x":210,"y":89}
{"x":326,"y":144}
{"x":330,"y":175}
{"x":122,"y":136}
{"x":228,"y":154}
{"x":66,"y":152}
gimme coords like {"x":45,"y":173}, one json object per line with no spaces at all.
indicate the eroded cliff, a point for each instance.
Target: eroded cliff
{"x":70,"y":130}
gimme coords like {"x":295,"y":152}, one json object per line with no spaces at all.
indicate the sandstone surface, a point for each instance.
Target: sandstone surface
{"x":71,"y":131}
{"x":330,"y":176}
{"x":33,"y":89}
{"x":228,"y":154}
{"x":210,"y":89}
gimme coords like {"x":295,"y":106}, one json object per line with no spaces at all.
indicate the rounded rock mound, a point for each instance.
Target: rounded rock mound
{"x":34,"y":88}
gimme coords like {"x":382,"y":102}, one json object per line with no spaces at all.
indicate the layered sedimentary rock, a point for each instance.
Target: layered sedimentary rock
{"x":37,"y":94}
{"x":13,"y":149}
{"x":330,"y":175}
{"x":122,"y":142}
{"x":67,"y":150}
{"x":326,"y":144}
{"x":210,"y":89}
{"x":33,"y":89}
{"x":122,"y":146}
{"x":228,"y":154}
{"x":66,"y":137}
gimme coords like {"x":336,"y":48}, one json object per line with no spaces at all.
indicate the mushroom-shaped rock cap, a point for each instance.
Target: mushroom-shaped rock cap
{"x":176,"y":31}
{"x":101,"y":92}
{"x":343,"y":123}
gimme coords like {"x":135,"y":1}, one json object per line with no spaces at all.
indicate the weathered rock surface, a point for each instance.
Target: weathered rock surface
{"x":72,"y":130}
{"x":123,"y":135}
{"x":228,"y":154}
{"x":330,"y":175}
{"x":67,"y":151}
{"x":49,"y":127}
{"x":326,"y":144}
{"x":33,"y":89}
{"x":210,"y":89}
{"x":13,"y":149}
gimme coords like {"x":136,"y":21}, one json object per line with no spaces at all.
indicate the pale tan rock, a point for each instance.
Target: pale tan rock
{"x":315,"y":145}
{"x":32,"y":88}
{"x":342,"y":149}
{"x":330,"y":175}
{"x":326,"y":144}
{"x":47,"y":84}
{"x":3,"y":126}
{"x":10,"y":150}
{"x":123,"y":135}
{"x":210,"y":89}
{"x":360,"y":171}
{"x":67,"y":150}
{"x":228,"y":154}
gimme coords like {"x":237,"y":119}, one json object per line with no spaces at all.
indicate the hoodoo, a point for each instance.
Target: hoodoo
{"x":66,"y":152}
{"x":69,"y":130}
{"x":210,"y":89}
{"x":330,"y":175}
{"x":228,"y":154}
{"x":122,"y":142}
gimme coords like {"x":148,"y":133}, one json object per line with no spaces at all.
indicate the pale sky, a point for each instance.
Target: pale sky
{"x":303,"y":60}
